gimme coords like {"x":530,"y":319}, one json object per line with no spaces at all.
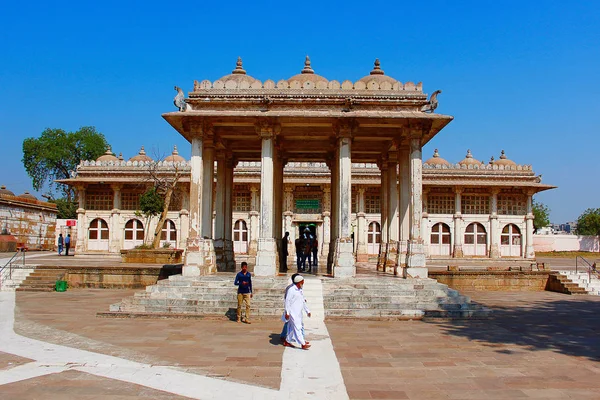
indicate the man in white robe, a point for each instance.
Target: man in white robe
{"x":295,"y":304}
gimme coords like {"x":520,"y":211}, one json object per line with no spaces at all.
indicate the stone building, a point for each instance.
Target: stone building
{"x":341,"y":159}
{"x":31,"y":221}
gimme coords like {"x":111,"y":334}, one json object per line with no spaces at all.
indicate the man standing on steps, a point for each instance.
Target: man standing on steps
{"x":243,"y":280}
{"x":295,"y":304}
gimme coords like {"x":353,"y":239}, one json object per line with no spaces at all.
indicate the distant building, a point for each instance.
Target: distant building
{"x":31,"y":221}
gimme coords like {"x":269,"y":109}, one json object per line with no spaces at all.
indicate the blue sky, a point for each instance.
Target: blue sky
{"x":518,"y":76}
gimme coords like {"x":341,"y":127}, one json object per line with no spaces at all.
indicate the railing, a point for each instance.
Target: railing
{"x":591,"y":268}
{"x":6,"y":269}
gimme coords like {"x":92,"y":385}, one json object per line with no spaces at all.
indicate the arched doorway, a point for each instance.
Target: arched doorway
{"x":98,"y":235}
{"x":373,"y":238}
{"x":440,"y":240}
{"x":510,"y":241}
{"x":475,"y":240}
{"x":169,"y":234}
{"x":240,"y":236}
{"x":134,"y":234}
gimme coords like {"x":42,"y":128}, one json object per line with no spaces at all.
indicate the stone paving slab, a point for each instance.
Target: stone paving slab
{"x":81,"y":386}
{"x":220,"y":349}
{"x":538,"y":345}
{"x":535,"y":345}
{"x":11,"y":360}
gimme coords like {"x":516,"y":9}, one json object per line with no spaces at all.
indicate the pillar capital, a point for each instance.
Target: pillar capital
{"x":458,"y":189}
{"x":267,"y":129}
{"x":344,"y":128}
{"x":198,"y":127}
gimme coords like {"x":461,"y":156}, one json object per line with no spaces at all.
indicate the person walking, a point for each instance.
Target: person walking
{"x":285,"y":322}
{"x":61,"y":242}
{"x":315,"y":251}
{"x":67,"y":244}
{"x":299,"y":253}
{"x":295,"y":304}
{"x":243,"y":280}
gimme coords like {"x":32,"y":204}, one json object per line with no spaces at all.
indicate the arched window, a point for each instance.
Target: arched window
{"x":475,"y":240}
{"x":440,"y":240}
{"x":169,"y":234}
{"x":98,"y":235}
{"x":373,"y":238}
{"x":510,"y":241}
{"x":134,"y":234}
{"x":240,"y":236}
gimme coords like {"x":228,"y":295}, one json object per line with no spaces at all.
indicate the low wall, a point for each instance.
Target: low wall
{"x":566,"y":243}
{"x":508,"y":281}
{"x":118,"y":277}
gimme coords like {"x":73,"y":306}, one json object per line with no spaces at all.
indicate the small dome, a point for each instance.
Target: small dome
{"x":175,"y":157}
{"x":108,"y":156}
{"x":4,"y":190}
{"x":377,"y":75}
{"x":469,"y":160}
{"x":503,"y":160}
{"x":141,"y":156}
{"x":238,"y":74}
{"x":28,"y":195}
{"x":307,"y":74}
{"x":436,"y":159}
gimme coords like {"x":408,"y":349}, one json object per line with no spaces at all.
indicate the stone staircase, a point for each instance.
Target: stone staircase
{"x":396,"y":298}
{"x":213,"y":295}
{"x":9,"y":281}
{"x":375,"y":298}
{"x":590,"y":283}
{"x":564,"y":284}
{"x":42,"y":280}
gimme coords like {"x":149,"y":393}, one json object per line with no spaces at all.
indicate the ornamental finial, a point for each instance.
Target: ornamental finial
{"x":469,"y":155}
{"x":238,"y":67}
{"x":502,"y":155}
{"x":142,"y":151}
{"x":377,"y":68}
{"x":307,"y":69}
{"x":435,"y":153}
{"x":175,"y":152}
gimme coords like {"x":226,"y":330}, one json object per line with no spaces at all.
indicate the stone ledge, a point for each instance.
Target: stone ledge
{"x":152,"y":256}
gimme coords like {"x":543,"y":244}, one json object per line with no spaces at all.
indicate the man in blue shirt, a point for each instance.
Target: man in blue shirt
{"x":243,"y":280}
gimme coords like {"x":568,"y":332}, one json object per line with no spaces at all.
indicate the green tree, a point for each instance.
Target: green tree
{"x":56,"y":154}
{"x":66,"y":209}
{"x":588,"y":223}
{"x":541,"y":215}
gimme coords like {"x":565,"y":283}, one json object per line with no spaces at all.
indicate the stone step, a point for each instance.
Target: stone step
{"x":34,"y":289}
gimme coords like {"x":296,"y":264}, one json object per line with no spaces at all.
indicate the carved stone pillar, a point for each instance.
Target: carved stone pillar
{"x":494,"y":229}
{"x":254,"y":214}
{"x":458,"y":230}
{"x":229,"y":253}
{"x":219,"y":231}
{"x":82,"y":228}
{"x":529,"y":251}
{"x":200,"y":256}
{"x":404,"y":200}
{"x":416,"y":263}
{"x":326,"y":218}
{"x":266,"y":257}
{"x":362,"y":254}
{"x":115,"y":217}
{"x":384,"y":203}
{"x":344,"y":257}
{"x":393,"y":213}
{"x":425,"y":228}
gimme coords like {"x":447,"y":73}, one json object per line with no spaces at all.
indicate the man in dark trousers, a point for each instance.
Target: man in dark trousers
{"x":284,"y":251}
{"x":67,"y":244}
{"x":243,"y":280}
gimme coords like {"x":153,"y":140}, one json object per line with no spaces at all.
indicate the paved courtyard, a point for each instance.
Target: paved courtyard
{"x":537,"y":345}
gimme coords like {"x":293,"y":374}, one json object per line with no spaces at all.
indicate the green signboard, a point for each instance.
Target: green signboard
{"x":305,"y":204}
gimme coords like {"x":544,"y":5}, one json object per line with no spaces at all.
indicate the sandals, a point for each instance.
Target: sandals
{"x":306,"y":346}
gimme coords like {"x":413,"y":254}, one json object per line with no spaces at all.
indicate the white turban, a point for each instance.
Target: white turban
{"x":299,"y":278}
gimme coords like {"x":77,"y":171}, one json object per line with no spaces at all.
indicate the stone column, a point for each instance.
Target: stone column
{"x":287,"y":215}
{"x":266,"y":257}
{"x":115,"y":215}
{"x":200,"y":258}
{"x":344,"y":259}
{"x":326,"y":218}
{"x":529,"y":251}
{"x":425,"y":228}
{"x":494,"y":232}
{"x":416,"y":266}
{"x":254,"y":214}
{"x":404,"y":209}
{"x":333,"y":221}
{"x":228,"y":242}
{"x":362,"y":254}
{"x":393,"y":213}
{"x":82,"y":227}
{"x":384,"y":202}
{"x":219,"y":233}
{"x":458,"y":233}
